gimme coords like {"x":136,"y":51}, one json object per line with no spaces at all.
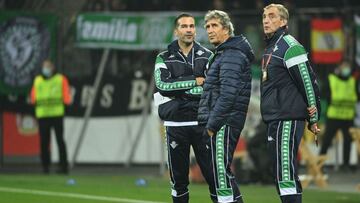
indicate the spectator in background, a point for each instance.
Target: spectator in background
{"x":289,"y":96}
{"x":176,"y":5}
{"x":224,"y":102}
{"x":242,"y":4}
{"x":261,"y":3}
{"x":98,"y":5}
{"x":235,"y":5}
{"x":219,"y":4}
{"x":342,"y":97}
{"x":117,"y":5}
{"x":179,"y":76}
{"x":50,"y":93}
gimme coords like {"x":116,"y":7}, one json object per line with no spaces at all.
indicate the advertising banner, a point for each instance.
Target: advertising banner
{"x":131,"y":31}
{"x":20,"y":135}
{"x":116,"y":96}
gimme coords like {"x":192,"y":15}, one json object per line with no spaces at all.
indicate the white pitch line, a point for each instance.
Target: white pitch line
{"x":73,"y":195}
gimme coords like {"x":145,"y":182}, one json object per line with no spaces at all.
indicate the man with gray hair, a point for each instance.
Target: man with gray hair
{"x":289,"y":96}
{"x":224,"y":102}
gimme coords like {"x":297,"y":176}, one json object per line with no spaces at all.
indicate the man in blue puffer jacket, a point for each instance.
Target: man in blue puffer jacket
{"x":224,"y":102}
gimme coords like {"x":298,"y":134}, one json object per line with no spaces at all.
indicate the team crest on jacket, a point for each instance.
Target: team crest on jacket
{"x":200,"y":52}
{"x":276,"y":48}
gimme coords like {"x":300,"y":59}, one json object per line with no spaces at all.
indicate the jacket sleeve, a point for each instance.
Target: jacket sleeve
{"x":166,"y":84}
{"x":66,"y":91}
{"x":357,"y":89}
{"x":195,"y":91}
{"x":326,"y":90}
{"x":198,"y":90}
{"x":33,"y":94}
{"x":298,"y":65}
{"x":231,"y":83}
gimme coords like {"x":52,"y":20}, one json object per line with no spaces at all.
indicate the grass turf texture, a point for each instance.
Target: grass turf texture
{"x":124,"y":187}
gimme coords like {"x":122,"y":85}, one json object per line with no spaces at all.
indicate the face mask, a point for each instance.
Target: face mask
{"x":46,"y":71}
{"x":345,"y":72}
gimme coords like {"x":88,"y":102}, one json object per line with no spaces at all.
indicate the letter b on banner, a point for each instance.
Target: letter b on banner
{"x":139,"y":88}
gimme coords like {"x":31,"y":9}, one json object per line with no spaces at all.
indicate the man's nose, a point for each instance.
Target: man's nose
{"x":266,"y":20}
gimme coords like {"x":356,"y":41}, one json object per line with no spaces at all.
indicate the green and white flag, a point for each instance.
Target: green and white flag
{"x":131,"y":31}
{"x":26,"y":39}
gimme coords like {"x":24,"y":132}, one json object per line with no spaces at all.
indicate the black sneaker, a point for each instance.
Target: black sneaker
{"x":345,"y":168}
{"x":46,"y":171}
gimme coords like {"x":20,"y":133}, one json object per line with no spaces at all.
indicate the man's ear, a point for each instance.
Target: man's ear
{"x":225,"y":31}
{"x":283,"y":22}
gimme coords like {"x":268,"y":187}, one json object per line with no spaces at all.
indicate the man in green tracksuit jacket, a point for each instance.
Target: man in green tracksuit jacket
{"x":289,"y":96}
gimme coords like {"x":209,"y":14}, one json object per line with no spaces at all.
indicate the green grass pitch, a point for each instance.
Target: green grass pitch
{"x":32,"y":188}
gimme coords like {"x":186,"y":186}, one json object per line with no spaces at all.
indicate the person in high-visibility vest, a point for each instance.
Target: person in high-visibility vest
{"x":50,"y":93}
{"x":342,"y":98}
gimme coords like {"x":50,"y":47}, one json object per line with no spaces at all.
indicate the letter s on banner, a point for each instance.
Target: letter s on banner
{"x":106,"y":97}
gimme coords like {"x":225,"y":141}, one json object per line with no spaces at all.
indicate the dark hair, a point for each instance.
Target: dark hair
{"x":176,"y":23}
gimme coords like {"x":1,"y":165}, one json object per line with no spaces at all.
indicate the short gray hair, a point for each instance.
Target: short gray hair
{"x":223,"y":17}
{"x":283,"y":12}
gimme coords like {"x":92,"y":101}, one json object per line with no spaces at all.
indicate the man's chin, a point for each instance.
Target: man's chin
{"x":215,"y":43}
{"x":269,"y":34}
{"x":188,"y":42}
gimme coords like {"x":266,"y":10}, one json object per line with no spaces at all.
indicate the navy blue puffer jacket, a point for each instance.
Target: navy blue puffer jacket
{"x":227,"y":86}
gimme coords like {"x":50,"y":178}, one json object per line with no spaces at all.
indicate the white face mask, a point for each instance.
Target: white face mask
{"x":345,"y":72}
{"x":46,"y":71}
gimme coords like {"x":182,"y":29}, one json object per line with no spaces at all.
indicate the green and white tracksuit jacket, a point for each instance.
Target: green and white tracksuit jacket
{"x":289,"y":88}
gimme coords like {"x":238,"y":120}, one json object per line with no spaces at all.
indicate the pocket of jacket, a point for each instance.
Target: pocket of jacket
{"x":168,"y":110}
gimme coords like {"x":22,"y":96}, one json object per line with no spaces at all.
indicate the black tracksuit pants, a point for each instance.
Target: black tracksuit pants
{"x":284,"y":138}
{"x":222,"y":146}
{"x":178,"y":142}
{"x":332,"y":126}
{"x":45,"y":126}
